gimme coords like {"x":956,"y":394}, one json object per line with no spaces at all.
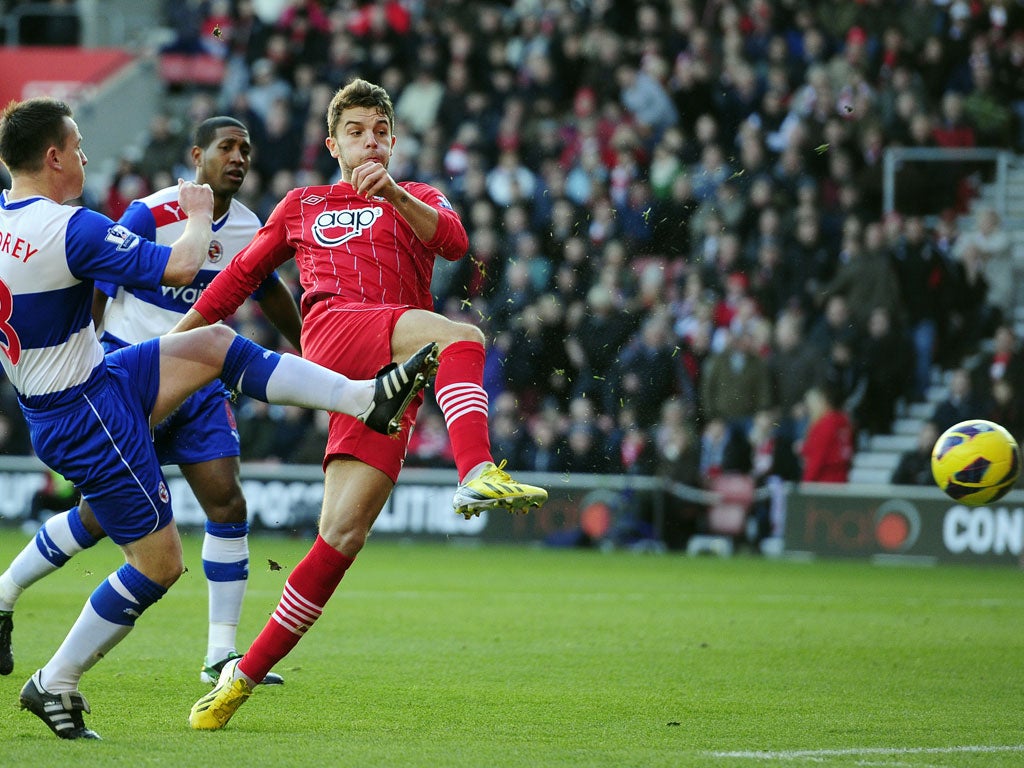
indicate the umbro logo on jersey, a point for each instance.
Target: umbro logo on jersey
{"x":332,"y":228}
{"x":312,"y":200}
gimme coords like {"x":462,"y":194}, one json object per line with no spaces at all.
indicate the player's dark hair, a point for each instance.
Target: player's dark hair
{"x":206,"y":130}
{"x":29,"y":128}
{"x":360,"y":93}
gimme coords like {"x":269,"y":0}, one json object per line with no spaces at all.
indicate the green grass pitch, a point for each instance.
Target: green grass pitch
{"x":445,"y":655}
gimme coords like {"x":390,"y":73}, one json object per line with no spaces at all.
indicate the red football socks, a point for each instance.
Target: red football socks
{"x":458,"y":388}
{"x":305,"y":594}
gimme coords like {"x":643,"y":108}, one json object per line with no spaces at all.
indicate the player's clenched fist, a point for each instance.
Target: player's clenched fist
{"x":372,"y":178}
{"x":195,"y":199}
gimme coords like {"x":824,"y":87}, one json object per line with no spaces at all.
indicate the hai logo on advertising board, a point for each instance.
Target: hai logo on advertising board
{"x":852,"y":526}
{"x":897,"y":525}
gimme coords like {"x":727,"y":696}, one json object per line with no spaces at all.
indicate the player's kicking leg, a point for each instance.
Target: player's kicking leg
{"x":460,"y":394}
{"x":216,"y":351}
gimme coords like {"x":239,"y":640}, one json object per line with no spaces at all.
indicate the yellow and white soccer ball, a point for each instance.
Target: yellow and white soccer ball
{"x":976,"y":462}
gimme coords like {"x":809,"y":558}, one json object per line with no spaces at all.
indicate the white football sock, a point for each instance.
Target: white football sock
{"x":296,"y":381}
{"x":53,"y":545}
{"x":226,"y":564}
{"x":89,"y":640}
{"x":107,"y":618}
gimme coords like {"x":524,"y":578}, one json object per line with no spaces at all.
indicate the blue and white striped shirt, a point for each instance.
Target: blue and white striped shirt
{"x":50,"y":254}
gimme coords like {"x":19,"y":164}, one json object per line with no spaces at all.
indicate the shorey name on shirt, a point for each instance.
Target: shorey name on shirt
{"x":16,"y":247}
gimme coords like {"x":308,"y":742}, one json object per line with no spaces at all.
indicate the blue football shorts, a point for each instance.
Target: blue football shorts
{"x":101,"y":442}
{"x":203,"y":428}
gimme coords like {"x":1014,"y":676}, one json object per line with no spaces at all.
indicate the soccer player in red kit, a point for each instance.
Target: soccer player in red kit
{"x":365,"y":249}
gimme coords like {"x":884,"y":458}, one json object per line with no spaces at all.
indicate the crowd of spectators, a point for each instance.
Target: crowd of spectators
{"x":677,"y":244}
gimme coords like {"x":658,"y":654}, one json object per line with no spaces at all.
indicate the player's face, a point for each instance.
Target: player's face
{"x":362,"y":135}
{"x":72,"y":161}
{"x":224,"y":163}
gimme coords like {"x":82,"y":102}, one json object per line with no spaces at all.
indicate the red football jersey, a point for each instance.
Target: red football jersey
{"x":345,"y":245}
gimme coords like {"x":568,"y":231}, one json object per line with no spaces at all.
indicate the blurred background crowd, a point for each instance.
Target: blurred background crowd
{"x":677,"y":243}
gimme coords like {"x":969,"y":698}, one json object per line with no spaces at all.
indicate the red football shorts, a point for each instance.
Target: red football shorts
{"x":355,"y":339}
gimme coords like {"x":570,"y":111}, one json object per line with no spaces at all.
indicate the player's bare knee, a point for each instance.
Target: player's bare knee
{"x":89,"y":521}
{"x":164,"y":573}
{"x":347,"y":539}
{"x":219,"y":337}
{"x":231,"y":509}
{"x":174,"y":572}
{"x":352,"y":543}
{"x":463,"y":332}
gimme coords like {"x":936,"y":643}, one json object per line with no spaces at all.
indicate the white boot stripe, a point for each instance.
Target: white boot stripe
{"x":394,"y":391}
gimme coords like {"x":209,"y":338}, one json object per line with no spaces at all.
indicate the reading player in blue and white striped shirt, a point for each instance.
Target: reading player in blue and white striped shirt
{"x":200,"y":436}
{"x":91,"y":415}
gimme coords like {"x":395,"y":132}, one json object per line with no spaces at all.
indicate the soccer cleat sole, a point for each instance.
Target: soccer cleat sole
{"x":514,"y":504}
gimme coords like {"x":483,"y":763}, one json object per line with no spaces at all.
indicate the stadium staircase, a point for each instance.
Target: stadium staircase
{"x":877,"y":456}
